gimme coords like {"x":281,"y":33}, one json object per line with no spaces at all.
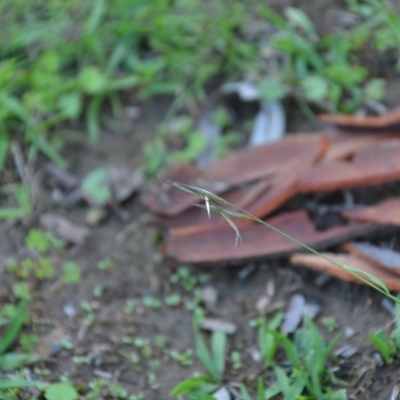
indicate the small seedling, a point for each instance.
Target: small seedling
{"x":136,"y":397}
{"x":151,"y":379}
{"x":173,"y":300}
{"x":88,"y":309}
{"x":44,"y":268}
{"x":42,"y":241}
{"x":384,"y":345}
{"x":184,"y":278}
{"x":105,"y":265}
{"x":268,"y":338}
{"x":72,"y":273}
{"x":236,"y":360}
{"x":330,"y":324}
{"x":28,"y":341}
{"x":60,"y":390}
{"x":130,"y":305}
{"x":151,"y":302}
{"x":98,"y":290}
{"x":144,"y":345}
{"x":184,"y":358}
{"x":134,"y":359}
{"x":116,"y":390}
{"x":21,"y":291}
{"x":160,"y":341}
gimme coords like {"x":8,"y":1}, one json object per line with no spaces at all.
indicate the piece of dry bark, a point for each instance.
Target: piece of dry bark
{"x":344,"y":145}
{"x":280,"y":190}
{"x":164,"y":199}
{"x":388,"y":211}
{"x":373,"y":165}
{"x":218,"y":246}
{"x":318,"y":263}
{"x":242,"y":167}
{"x":252,"y":163}
{"x":63,"y":228}
{"x":260,"y":199}
{"x":382,"y":122}
{"x":383,"y":258}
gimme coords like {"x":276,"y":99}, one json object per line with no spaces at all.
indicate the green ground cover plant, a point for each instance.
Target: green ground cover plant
{"x":63,"y":63}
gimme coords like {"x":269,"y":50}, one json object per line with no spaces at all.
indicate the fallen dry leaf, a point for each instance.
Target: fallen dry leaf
{"x":387,"y":211}
{"x":373,"y":165}
{"x":252,"y":163}
{"x":218,"y":246}
{"x":164,"y":199}
{"x":392,"y":281}
{"x":389,"y":121}
{"x":344,"y":145}
{"x":63,"y":228}
{"x":383,"y":258}
{"x":242,"y":167}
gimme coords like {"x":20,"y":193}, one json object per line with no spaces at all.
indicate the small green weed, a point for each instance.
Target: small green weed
{"x":22,"y":197}
{"x":213,"y":360}
{"x":184,"y":358}
{"x":72,"y":273}
{"x":61,"y":64}
{"x":388,"y":347}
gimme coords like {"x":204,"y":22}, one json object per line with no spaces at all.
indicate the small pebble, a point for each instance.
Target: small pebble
{"x":69,"y":309}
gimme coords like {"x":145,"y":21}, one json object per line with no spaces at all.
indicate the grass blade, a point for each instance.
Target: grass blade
{"x":218,"y":346}
{"x":205,"y":356}
{"x":11,"y":333}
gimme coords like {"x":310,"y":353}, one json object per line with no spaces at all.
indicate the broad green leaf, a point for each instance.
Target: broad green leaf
{"x":60,"y":391}
{"x":282,"y":378}
{"x":301,"y":19}
{"x":196,"y":144}
{"x":315,"y":88}
{"x":375,"y":89}
{"x":95,"y":186}
{"x":70,"y":104}
{"x":218,"y":347}
{"x":272,"y":89}
{"x":92,"y":80}
{"x":346,"y":74}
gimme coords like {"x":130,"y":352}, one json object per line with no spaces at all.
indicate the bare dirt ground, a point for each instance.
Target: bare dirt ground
{"x":138,"y":271}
